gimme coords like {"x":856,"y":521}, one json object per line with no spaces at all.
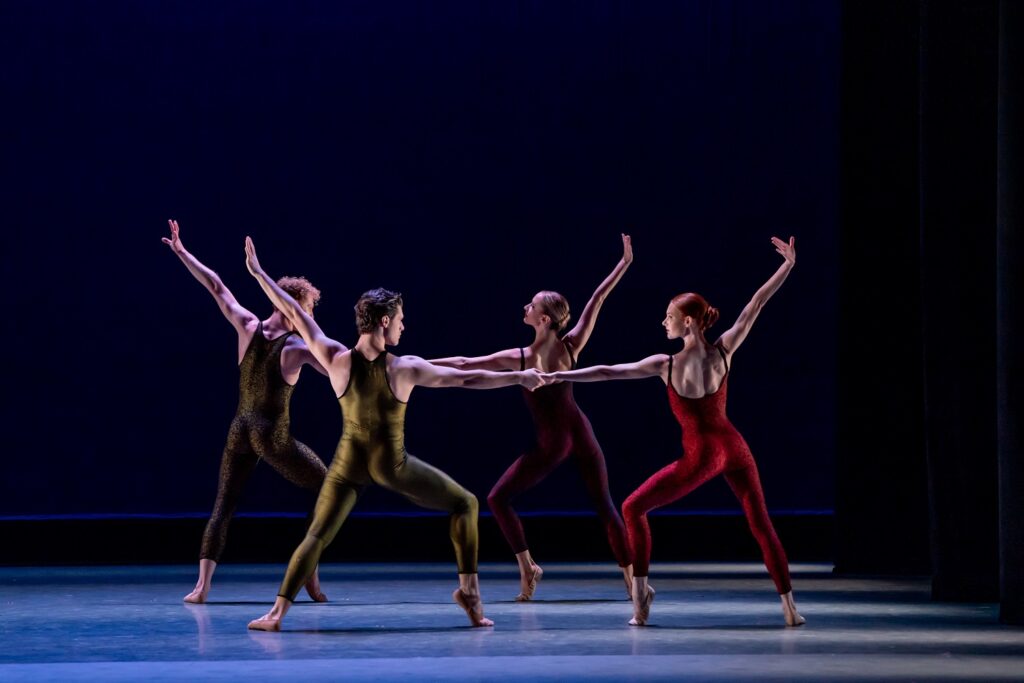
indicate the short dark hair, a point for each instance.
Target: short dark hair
{"x":374,"y":305}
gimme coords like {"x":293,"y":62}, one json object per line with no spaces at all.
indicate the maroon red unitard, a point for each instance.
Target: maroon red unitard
{"x":562,"y":430}
{"x":711,"y":446}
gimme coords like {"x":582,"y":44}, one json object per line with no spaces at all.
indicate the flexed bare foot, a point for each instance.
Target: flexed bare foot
{"x":265,"y":623}
{"x":528,"y":582}
{"x":643,"y":596}
{"x":313,"y":587}
{"x":793,"y":617}
{"x":474,"y":607}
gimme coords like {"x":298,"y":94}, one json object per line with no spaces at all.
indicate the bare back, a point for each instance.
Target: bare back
{"x":551,"y":359}
{"x":698,"y":371}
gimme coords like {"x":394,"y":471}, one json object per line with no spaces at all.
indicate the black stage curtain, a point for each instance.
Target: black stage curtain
{"x":881,"y":494}
{"x":958,"y":94}
{"x":929,"y":454}
{"x":1009,"y":316}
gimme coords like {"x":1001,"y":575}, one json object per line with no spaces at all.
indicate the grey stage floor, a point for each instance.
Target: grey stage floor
{"x":396,"y":622}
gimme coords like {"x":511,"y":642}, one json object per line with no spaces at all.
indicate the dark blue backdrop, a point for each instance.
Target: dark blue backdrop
{"x":467,"y":154}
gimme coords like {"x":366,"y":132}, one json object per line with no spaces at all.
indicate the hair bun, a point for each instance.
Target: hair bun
{"x":710,"y":317}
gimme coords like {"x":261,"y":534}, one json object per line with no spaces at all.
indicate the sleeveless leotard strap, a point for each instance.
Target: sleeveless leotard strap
{"x":572,"y":358}
{"x":724,"y":359}
{"x":522,"y":359}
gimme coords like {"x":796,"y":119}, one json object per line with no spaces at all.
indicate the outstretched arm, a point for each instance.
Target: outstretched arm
{"x":323,"y":348}
{"x":236,"y":315}
{"x":735,"y":335}
{"x":425,"y":374}
{"x":508,"y":359}
{"x":652,"y":366}
{"x":578,"y":337}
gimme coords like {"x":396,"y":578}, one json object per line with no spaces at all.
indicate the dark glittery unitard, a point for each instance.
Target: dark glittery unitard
{"x":372,"y":449}
{"x":260,"y":429}
{"x":711,"y":446}
{"x":562,"y":430}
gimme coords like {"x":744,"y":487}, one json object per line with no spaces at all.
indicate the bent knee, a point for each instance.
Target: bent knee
{"x":634,"y":508}
{"x":467,"y":505}
{"x":497,"y":499}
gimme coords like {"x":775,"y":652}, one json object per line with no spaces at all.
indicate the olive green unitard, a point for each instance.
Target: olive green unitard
{"x":372,"y":449}
{"x":260,"y":429}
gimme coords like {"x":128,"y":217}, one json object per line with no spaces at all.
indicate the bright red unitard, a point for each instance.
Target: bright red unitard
{"x":711,"y":446}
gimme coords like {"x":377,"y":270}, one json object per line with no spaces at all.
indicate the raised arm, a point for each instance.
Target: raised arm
{"x":425,"y":374}
{"x":509,"y":359}
{"x":652,"y":366}
{"x":578,"y":337}
{"x":735,"y":335}
{"x":239,"y":317}
{"x":324,"y":349}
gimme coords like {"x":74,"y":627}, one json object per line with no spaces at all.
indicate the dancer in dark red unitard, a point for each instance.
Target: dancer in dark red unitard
{"x":696,"y":380}
{"x":562,"y":428}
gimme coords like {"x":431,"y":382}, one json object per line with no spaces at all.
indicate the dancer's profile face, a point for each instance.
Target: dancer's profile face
{"x":393,"y":332}
{"x":533,"y":311}
{"x":674,"y":323}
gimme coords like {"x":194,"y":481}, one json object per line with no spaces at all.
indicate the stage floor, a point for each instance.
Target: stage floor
{"x":710,"y":622}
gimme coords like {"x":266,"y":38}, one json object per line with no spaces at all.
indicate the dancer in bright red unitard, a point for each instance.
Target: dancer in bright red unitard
{"x":696,"y":379}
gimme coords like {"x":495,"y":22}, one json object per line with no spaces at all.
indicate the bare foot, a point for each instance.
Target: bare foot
{"x":472,"y":604}
{"x":528,"y":583}
{"x":198,"y":594}
{"x":642,"y":611}
{"x":265,"y":623}
{"x":793,"y":617}
{"x":313,"y":588}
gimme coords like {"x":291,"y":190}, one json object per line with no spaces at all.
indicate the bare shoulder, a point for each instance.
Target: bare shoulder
{"x":296,"y":346}
{"x":247,"y":330}
{"x":398,"y":363}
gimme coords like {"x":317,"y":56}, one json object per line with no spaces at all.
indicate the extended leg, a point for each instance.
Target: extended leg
{"x":296,"y":462}
{"x":746,"y":484}
{"x":337,"y":497}
{"x":594,"y":472}
{"x":526,"y":472}
{"x":235,"y":468}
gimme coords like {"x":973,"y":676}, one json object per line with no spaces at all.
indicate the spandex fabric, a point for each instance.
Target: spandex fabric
{"x":372,"y":450}
{"x":562,"y":430}
{"x":260,"y":429}
{"x":711,"y":446}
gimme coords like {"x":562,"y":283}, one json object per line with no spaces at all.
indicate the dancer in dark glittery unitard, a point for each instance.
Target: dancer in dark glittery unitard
{"x":271,"y":357}
{"x":562,"y":428}
{"x":696,"y":378}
